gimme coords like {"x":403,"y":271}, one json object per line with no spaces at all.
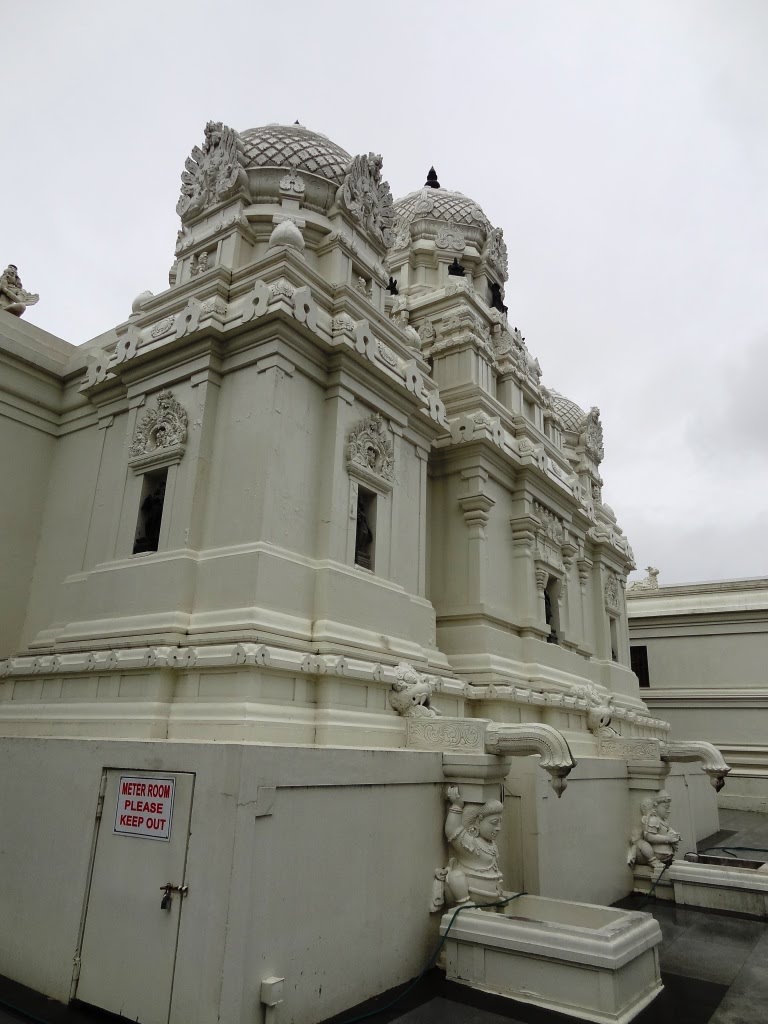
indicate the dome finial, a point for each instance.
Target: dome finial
{"x":432,"y":181}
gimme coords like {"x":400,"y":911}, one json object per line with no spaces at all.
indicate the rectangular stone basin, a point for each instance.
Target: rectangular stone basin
{"x":591,"y":962}
{"x":720,"y":886}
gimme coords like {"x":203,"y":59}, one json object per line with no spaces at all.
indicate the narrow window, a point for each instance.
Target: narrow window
{"x":552,"y":609}
{"x":150,"y":511}
{"x":638,"y":657}
{"x":614,"y":639}
{"x":365,"y":535}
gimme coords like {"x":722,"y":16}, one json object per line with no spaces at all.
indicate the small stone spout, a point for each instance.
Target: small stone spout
{"x":533,"y":738}
{"x":712,"y":761}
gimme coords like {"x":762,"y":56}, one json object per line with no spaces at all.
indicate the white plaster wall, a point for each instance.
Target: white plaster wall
{"x":25,"y":459}
{"x":699,"y":659}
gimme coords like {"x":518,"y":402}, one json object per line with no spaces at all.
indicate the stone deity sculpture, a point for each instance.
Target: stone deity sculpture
{"x":472,"y":874}
{"x":654,"y":843}
{"x":13,"y":298}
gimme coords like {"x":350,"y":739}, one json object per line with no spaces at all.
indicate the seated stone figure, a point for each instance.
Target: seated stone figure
{"x":13,"y":298}
{"x":472,"y":874}
{"x":654,"y":843}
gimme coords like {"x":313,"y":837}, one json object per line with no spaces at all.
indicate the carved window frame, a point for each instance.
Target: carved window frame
{"x":382,"y":487}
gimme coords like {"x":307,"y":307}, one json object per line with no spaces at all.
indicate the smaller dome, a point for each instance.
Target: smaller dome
{"x":572,"y":415}
{"x":441,"y":204}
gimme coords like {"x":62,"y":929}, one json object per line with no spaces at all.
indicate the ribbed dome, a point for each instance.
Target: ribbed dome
{"x":294,"y":146}
{"x":572,"y":415}
{"x":441,"y":204}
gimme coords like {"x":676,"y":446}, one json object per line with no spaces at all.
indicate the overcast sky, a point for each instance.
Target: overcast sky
{"x":622,"y":146}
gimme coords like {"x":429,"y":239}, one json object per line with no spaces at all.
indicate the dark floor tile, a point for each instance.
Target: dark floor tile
{"x":446,"y":1011}
{"x":704,"y":961}
{"x":759,"y":952}
{"x":751,"y":981}
{"x":741,"y":1011}
{"x":683,"y":1001}
{"x":735,"y":932}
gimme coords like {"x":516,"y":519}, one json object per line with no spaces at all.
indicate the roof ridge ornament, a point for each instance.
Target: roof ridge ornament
{"x":213,"y":173}
{"x":432,"y":181}
{"x":367,"y":198}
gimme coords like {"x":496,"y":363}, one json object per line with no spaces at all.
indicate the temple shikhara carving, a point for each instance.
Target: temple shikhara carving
{"x":305,"y":545}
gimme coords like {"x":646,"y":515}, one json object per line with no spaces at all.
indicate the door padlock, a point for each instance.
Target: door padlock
{"x":168,"y":889}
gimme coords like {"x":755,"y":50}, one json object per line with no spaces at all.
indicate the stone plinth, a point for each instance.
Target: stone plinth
{"x":716,"y":887}
{"x":594,"y":963}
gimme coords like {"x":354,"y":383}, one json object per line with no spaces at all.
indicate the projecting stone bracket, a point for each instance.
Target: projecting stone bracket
{"x":533,"y":738}
{"x":712,"y":761}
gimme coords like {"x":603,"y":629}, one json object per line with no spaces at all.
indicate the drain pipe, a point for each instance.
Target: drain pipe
{"x":712,"y":761}
{"x":533,"y":738}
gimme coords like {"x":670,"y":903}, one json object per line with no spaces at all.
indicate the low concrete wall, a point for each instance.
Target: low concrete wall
{"x":324,"y":881}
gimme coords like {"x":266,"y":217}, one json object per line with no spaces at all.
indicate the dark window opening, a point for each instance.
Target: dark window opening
{"x":497,"y":299}
{"x":638,"y":657}
{"x":455,"y":269}
{"x":614,"y":640}
{"x":150,"y":512}
{"x":365,"y":533}
{"x":552,"y":609}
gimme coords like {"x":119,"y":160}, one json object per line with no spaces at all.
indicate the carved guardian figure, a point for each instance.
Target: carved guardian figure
{"x":654,"y":843}
{"x":472,"y":874}
{"x":13,"y":298}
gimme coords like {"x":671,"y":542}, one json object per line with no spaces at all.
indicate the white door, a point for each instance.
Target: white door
{"x":131,"y":927}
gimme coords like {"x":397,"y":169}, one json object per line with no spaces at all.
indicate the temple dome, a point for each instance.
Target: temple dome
{"x":294,"y":147}
{"x":453,"y":222}
{"x":442,"y":205}
{"x":571,"y":414}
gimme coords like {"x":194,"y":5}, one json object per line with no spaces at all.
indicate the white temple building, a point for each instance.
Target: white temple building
{"x":302,"y":541}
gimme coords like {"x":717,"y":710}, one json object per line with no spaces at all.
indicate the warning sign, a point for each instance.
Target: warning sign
{"x":144,"y":807}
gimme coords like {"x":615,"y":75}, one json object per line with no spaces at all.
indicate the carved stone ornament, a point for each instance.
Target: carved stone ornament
{"x":654,"y":842}
{"x":496,"y":253}
{"x":370,"y":453}
{"x":411,"y":692}
{"x":456,"y":734}
{"x":213,"y":173}
{"x":550,"y":537}
{"x":599,"y":709}
{"x":592,"y":435}
{"x":449,"y":237}
{"x":427,"y":332}
{"x":402,"y":234}
{"x":651,"y":581}
{"x":629,"y":748}
{"x":292,"y":184}
{"x":612,"y":593}
{"x":161,"y":433}
{"x":13,"y":298}
{"x":473,"y":873}
{"x":367,"y":198}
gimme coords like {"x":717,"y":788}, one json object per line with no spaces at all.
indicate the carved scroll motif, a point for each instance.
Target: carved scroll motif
{"x":368,"y":199}
{"x":214,"y":172}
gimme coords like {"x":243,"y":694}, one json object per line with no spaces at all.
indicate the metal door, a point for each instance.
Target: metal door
{"x":128,"y":951}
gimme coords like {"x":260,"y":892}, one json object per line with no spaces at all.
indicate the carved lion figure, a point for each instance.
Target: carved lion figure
{"x":411,"y":692}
